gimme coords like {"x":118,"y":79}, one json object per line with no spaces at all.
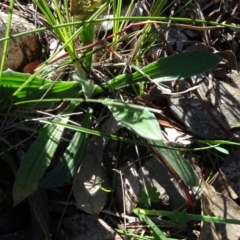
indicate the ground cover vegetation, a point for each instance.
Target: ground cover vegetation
{"x":119,"y":119}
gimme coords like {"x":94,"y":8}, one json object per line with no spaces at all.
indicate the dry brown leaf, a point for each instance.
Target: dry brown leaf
{"x":226,"y":97}
{"x":228,"y":178}
{"x":229,"y":58}
{"x":215,"y":204}
{"x":30,"y":67}
{"x":87,"y":185}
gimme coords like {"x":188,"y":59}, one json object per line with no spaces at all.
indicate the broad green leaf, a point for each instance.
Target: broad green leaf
{"x":179,"y":164}
{"x":37,"y":88}
{"x":69,"y":163}
{"x":37,"y":159}
{"x":171,"y":68}
{"x":139,"y":120}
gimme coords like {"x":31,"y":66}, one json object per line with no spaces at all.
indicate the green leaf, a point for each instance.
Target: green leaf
{"x":38,"y":88}
{"x":87,"y":37}
{"x":87,"y":86}
{"x":179,"y":217}
{"x":37,"y":159}
{"x":215,"y":142}
{"x":132,"y":235}
{"x":158,"y":234}
{"x":69,"y":163}
{"x":149,"y":193}
{"x":171,"y":68}
{"x":139,"y":120}
{"x":222,"y":150}
{"x":179,"y":164}
{"x":144,"y":199}
{"x":153,"y":193}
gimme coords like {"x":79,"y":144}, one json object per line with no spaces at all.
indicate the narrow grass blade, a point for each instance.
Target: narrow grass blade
{"x":156,"y":8}
{"x":158,"y":234}
{"x":184,"y":216}
{"x":87,"y":37}
{"x":7,"y":34}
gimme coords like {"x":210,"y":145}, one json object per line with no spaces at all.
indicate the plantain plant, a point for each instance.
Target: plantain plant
{"x":36,"y":91}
